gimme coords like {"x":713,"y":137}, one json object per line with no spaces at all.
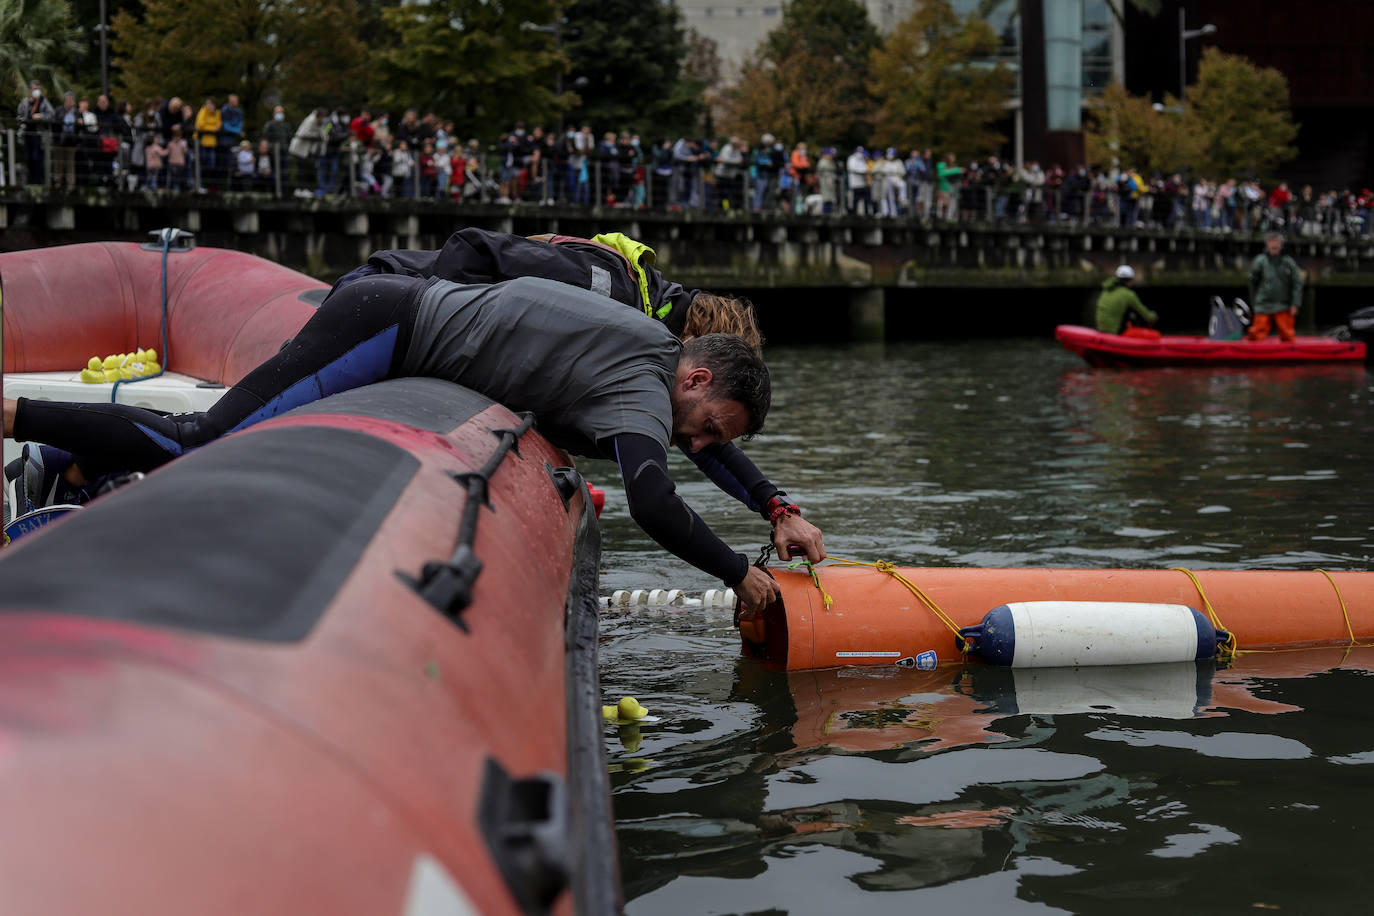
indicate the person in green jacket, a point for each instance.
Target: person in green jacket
{"x":1275,"y":291}
{"x":1118,"y":307}
{"x":947,"y":202}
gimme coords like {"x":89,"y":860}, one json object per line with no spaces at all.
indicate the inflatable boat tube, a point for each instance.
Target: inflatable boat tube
{"x":227,"y":311}
{"x":341,"y":662}
{"x":1113,"y":350}
{"x":874,"y":618}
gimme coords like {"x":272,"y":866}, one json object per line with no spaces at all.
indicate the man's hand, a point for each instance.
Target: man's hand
{"x":757,"y":590}
{"x":794,"y":535}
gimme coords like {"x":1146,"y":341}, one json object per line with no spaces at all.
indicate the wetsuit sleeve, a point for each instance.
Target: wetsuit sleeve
{"x":731,"y":470}
{"x":656,"y":508}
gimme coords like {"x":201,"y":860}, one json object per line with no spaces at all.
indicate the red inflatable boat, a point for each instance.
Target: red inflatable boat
{"x":340,"y":662}
{"x":1117,"y":351}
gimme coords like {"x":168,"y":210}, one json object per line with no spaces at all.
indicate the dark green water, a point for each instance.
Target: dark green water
{"x":1089,"y":791}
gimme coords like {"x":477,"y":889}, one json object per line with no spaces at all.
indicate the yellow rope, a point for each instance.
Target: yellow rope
{"x":1345,"y":612}
{"x":883,"y":566}
{"x":1226,"y":650}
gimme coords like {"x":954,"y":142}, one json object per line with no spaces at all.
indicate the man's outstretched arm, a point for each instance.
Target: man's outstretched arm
{"x":656,"y":508}
{"x":731,"y":470}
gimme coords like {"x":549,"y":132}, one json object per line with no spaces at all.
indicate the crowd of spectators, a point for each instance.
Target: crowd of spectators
{"x":170,"y":145}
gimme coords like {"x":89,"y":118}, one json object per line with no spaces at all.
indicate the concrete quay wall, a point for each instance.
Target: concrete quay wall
{"x":859,"y":260}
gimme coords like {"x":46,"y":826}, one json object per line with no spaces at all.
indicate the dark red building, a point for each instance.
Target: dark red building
{"x":1324,"y":48}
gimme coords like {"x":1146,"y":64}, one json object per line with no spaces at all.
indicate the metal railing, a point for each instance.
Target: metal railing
{"x":130,"y":161}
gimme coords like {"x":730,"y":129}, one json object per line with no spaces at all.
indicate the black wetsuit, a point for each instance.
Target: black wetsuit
{"x":364,"y":332}
{"x":482,"y":256}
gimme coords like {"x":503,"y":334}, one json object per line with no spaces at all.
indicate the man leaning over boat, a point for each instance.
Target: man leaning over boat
{"x":602,"y":381}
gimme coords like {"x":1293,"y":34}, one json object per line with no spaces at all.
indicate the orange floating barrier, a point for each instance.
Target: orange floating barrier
{"x":876,"y":614}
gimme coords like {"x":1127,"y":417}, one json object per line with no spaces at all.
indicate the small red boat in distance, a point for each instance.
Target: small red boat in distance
{"x":1119,"y":351}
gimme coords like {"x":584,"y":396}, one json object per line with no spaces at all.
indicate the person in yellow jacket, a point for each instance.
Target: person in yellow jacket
{"x":208,"y":124}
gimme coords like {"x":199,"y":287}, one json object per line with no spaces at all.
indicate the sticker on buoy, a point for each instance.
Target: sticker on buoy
{"x":868,"y":655}
{"x":927,"y":660}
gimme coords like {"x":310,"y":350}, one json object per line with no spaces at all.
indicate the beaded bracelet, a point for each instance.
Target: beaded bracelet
{"x":782,"y":509}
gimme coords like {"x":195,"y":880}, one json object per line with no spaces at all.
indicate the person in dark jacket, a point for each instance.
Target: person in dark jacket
{"x":35,"y":126}
{"x":1275,"y":291}
{"x":611,"y":264}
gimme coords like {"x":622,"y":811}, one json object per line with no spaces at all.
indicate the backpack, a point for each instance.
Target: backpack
{"x":1228,"y":323}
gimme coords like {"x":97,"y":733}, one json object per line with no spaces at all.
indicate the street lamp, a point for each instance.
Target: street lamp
{"x":1183,"y":35}
{"x":555,"y":29}
{"x":103,"y":28}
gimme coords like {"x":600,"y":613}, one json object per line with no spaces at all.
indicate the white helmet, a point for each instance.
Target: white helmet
{"x":1124,"y":272}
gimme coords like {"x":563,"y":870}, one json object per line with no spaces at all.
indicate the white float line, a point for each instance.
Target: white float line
{"x":669,"y":597}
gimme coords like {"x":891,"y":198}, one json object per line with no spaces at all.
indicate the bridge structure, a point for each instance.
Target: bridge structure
{"x":864,"y":268}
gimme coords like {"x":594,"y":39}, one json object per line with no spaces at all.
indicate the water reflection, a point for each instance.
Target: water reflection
{"x":999,"y":791}
{"x":941,"y":778}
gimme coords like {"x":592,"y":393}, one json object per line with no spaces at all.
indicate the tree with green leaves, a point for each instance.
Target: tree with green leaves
{"x":305,"y":52}
{"x":38,"y":40}
{"x":1243,"y":116}
{"x":825,"y":28}
{"x":1126,"y":130}
{"x":627,"y":60}
{"x":483,"y":63}
{"x":806,"y":81}
{"x":937,"y":85}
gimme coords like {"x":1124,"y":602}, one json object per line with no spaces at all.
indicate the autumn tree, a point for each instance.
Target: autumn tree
{"x":1127,"y":130}
{"x":805,"y":82}
{"x":38,"y":40}
{"x":936,"y":83}
{"x":304,"y":52}
{"x":632,"y":77}
{"x":1242,"y":114}
{"x":798,"y":97}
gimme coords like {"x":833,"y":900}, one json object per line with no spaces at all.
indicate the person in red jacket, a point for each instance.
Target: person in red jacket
{"x":361,"y":127}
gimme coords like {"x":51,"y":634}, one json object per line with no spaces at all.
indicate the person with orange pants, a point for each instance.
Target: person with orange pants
{"x":1275,"y":291}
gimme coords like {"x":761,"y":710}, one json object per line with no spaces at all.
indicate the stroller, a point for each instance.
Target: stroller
{"x":1229,"y":323}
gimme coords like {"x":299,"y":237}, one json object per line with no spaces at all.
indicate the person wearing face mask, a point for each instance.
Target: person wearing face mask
{"x":381,"y":129}
{"x":35,"y":125}
{"x":277,"y":132}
